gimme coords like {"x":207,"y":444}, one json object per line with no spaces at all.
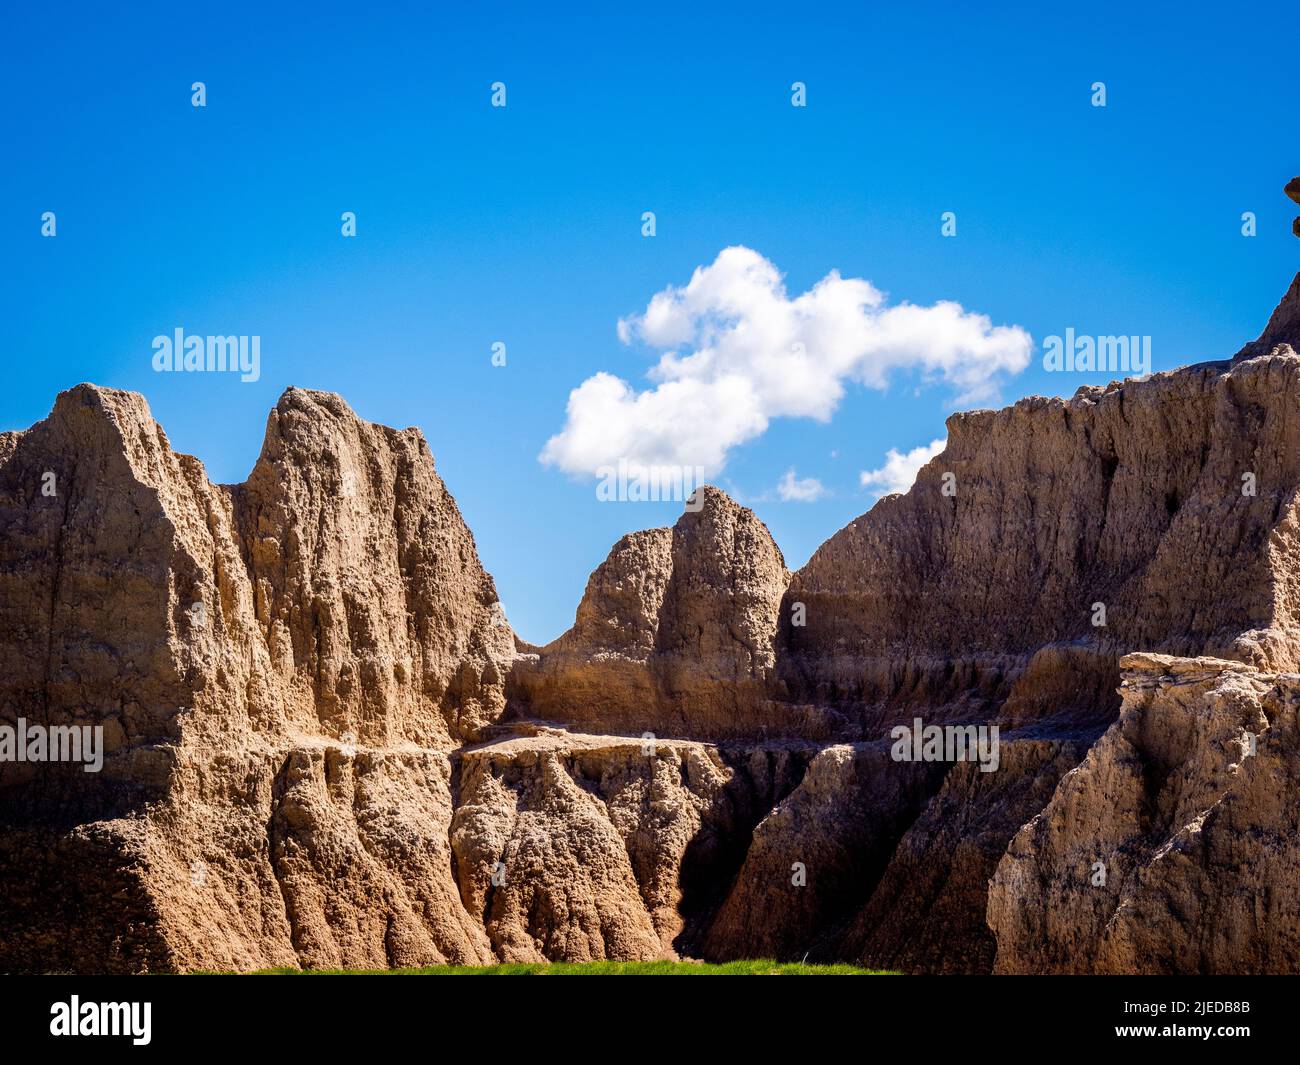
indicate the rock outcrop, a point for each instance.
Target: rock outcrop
{"x":367,"y":581}
{"x":280,"y":670}
{"x":1175,"y":845}
{"x":1057,"y":506}
{"x":676,"y":635}
{"x":325,"y":747}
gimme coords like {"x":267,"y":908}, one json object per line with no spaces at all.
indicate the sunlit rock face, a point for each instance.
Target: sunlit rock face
{"x":323,"y":746}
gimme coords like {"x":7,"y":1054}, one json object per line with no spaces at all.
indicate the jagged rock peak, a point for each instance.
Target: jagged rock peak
{"x":337,"y":590}
{"x":1283,"y":326}
{"x":675,"y":632}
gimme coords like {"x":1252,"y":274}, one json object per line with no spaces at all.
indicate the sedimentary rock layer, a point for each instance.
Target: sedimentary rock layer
{"x":1174,"y":847}
{"x":223,"y":639}
{"x":325,"y":747}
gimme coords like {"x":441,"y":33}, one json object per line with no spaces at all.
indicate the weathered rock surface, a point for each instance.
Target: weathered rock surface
{"x":815,"y":855}
{"x":675,"y":635}
{"x":569,"y":846}
{"x":600,"y":670}
{"x":1111,"y":497}
{"x":1175,"y":846}
{"x":926,"y":912}
{"x":366,"y":580}
{"x":221,"y":637}
{"x":325,"y":747}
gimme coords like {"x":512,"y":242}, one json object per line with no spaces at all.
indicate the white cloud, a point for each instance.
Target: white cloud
{"x":737,"y":351}
{"x":898,"y":474}
{"x":794,"y":489}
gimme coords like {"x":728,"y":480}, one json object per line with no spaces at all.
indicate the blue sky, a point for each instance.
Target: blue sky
{"x":523,"y":224}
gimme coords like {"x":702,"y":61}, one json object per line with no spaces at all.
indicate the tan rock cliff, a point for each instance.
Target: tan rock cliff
{"x":325,"y":747}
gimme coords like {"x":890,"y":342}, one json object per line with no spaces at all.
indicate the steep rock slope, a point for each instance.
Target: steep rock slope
{"x":1175,"y":845}
{"x":1111,"y":497}
{"x":325,"y":747}
{"x":368,"y":591}
{"x":221,"y":638}
{"x":675,"y":636}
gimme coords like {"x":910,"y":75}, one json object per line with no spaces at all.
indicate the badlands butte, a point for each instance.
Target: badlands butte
{"x":325,"y":746}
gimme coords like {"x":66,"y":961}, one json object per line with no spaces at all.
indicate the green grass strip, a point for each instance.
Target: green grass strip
{"x":759,"y":967}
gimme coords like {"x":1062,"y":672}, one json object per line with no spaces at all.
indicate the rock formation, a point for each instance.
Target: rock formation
{"x":324,"y":746}
{"x":1175,"y":845}
{"x":676,"y":634}
{"x":280,"y":670}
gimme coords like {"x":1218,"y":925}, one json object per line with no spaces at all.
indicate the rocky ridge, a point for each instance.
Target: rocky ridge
{"x":325,"y":746}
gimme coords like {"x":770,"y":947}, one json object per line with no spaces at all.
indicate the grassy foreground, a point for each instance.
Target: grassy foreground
{"x":761,"y":967}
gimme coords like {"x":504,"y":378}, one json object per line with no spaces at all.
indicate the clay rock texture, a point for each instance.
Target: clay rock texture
{"x":804,"y":872}
{"x":568,"y":843}
{"x":1111,"y":497}
{"x":366,"y":580}
{"x":676,"y":635}
{"x":220,"y":637}
{"x":926,"y":911}
{"x":1175,"y":846}
{"x":325,"y":747}
{"x":600,"y":670}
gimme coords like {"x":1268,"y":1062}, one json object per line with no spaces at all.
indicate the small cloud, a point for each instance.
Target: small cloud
{"x":794,"y":489}
{"x":898,"y":474}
